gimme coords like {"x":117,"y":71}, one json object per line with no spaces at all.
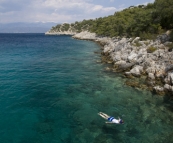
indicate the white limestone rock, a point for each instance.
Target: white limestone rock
{"x":136,"y":71}
{"x":136,"y":39}
{"x":168,"y":87}
{"x":124,"y":57}
{"x":159,"y":89}
{"x":85,"y":35}
{"x":132,"y":57}
{"x":120,"y":62}
{"x":128,"y":74}
{"x":117,"y":57}
{"x":151,"y":76}
{"x":170,"y":77}
{"x":106,"y":49}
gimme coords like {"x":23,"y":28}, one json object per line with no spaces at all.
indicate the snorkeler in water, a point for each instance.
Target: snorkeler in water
{"x":111,"y":119}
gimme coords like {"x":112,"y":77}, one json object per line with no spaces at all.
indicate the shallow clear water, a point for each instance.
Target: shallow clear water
{"x":51,"y":89}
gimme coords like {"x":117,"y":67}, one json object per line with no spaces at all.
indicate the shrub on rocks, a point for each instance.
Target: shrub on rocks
{"x":137,"y":44}
{"x":171,"y":36}
{"x":151,"y":49}
{"x":146,"y":43}
{"x":170,"y":46}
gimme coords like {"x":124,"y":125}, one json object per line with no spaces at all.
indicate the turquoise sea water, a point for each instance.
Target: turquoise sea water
{"x":51,"y":89}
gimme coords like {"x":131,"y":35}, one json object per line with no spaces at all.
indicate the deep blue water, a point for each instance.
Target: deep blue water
{"x":51,"y":89}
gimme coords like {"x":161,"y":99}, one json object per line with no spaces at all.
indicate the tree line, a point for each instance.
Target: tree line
{"x":145,"y":21}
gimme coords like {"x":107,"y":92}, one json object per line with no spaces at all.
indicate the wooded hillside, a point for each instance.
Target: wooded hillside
{"x":143,"y":21}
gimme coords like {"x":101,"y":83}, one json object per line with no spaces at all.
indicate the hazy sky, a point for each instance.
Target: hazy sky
{"x":60,"y":11}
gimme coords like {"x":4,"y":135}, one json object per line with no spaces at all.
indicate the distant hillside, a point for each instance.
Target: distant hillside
{"x":20,"y":27}
{"x":145,"y":21}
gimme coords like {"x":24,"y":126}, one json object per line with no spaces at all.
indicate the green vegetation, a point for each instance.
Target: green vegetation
{"x":65,"y":27}
{"x":170,"y":46}
{"x":151,"y":49}
{"x":164,"y":13}
{"x":143,"y":21}
{"x":146,"y":43}
{"x":171,"y":36}
{"x":136,"y":43}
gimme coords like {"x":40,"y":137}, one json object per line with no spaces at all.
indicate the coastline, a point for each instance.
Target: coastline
{"x":60,"y":33}
{"x":148,"y":61}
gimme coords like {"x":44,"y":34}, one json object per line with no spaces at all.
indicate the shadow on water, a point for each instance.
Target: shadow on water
{"x":168,"y":101}
{"x":108,"y":133}
{"x":110,"y":130}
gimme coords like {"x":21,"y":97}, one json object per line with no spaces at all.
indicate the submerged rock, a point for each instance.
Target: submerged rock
{"x":108,"y":69}
{"x":133,"y":83}
{"x":159,"y":90}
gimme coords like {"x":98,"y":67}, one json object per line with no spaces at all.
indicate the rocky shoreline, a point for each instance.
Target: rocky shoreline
{"x":148,"y":61}
{"x":60,"y":33}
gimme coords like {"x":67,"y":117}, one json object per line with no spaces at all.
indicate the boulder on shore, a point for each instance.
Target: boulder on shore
{"x":136,"y":71}
{"x":151,"y":76}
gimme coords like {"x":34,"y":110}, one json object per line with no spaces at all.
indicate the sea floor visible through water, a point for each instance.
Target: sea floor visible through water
{"x":52,"y":89}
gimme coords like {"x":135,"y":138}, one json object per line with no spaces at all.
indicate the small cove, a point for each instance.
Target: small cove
{"x":52,"y":89}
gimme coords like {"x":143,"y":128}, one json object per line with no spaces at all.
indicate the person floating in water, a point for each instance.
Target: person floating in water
{"x":111,"y":119}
